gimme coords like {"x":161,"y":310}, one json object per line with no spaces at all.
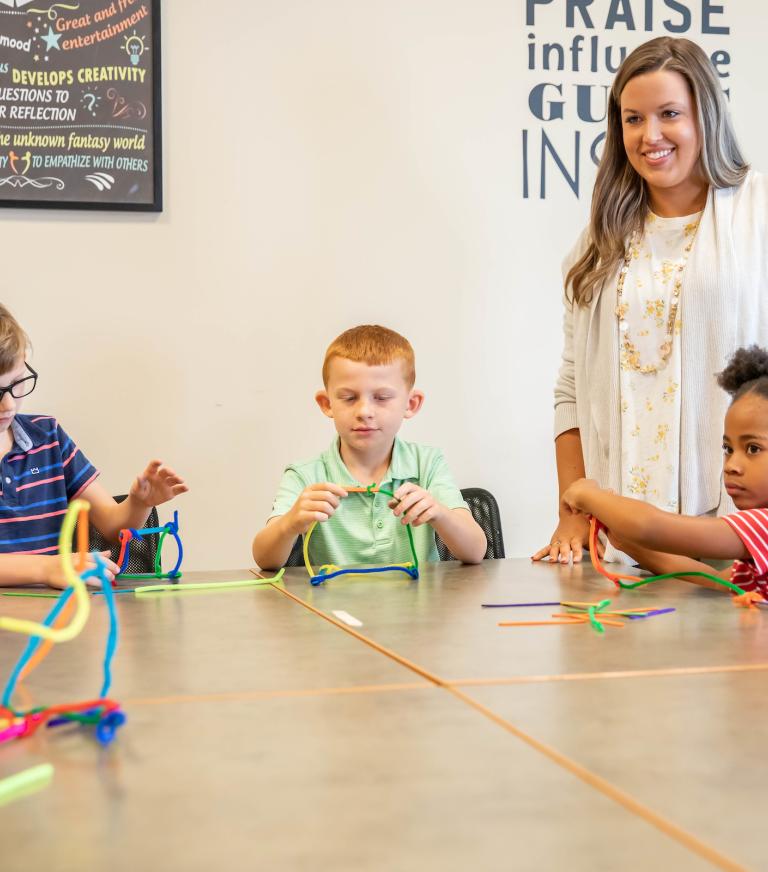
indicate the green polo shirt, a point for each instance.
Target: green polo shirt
{"x":363,"y":528}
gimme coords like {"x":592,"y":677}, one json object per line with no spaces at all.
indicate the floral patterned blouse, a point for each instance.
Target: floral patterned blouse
{"x":650,"y":402}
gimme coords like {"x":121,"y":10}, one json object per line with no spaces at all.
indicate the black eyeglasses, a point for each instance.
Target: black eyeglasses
{"x":21,"y":387}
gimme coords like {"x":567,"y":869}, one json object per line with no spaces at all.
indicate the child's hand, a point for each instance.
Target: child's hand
{"x":575,"y":500}
{"x":156,"y":485}
{"x":416,"y":506}
{"x":315,"y":503}
{"x":54,"y":573}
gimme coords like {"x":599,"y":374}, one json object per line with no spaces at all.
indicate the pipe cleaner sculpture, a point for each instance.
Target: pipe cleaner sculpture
{"x":742,"y":598}
{"x":129,"y":534}
{"x":330,"y":570}
{"x":103,"y":713}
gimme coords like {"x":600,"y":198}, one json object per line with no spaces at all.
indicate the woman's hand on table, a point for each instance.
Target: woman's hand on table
{"x":568,"y":541}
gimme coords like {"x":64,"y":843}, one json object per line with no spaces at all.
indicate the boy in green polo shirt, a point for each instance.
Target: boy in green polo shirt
{"x":369,"y":375}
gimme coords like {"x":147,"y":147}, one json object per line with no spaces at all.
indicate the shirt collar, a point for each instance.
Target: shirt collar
{"x":402,"y":466}
{"x":21,"y":437}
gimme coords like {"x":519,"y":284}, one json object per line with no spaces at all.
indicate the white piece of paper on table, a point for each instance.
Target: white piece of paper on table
{"x":347,"y":618}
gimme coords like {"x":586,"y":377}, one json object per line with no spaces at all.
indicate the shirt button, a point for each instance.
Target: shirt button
{"x":379,"y":524}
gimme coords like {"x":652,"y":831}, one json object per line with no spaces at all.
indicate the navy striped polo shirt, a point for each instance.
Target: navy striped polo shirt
{"x":41,"y":473}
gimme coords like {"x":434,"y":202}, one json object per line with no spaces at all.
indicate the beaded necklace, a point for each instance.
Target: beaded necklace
{"x":629,"y":353}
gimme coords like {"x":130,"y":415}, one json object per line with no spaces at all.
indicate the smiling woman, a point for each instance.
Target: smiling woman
{"x":663,"y":285}
{"x":662,"y":142}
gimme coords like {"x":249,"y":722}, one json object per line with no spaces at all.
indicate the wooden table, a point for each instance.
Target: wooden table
{"x":262,"y":735}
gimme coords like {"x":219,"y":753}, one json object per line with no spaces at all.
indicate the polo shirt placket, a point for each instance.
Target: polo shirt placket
{"x":379,"y":532}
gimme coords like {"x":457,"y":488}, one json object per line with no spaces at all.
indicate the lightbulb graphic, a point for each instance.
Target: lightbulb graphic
{"x":134,"y":47}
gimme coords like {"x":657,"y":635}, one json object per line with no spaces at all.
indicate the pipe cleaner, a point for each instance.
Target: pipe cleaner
{"x":128,"y":534}
{"x":212,"y":585}
{"x":330,"y":570}
{"x":595,"y":616}
{"x":24,"y":782}
{"x":745,"y":599}
{"x":63,"y":634}
{"x":104,"y":714}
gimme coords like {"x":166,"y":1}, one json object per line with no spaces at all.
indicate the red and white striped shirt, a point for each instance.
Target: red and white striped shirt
{"x":751,"y":526}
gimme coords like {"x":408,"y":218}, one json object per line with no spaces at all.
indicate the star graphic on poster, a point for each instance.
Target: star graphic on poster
{"x":51,"y":39}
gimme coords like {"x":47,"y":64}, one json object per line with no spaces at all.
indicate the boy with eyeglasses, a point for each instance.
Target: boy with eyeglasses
{"x":41,"y":470}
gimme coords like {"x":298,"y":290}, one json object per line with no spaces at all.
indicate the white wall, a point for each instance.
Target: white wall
{"x":327,"y":163}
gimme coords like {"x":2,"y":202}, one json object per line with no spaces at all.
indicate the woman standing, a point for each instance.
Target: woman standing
{"x":669,"y":278}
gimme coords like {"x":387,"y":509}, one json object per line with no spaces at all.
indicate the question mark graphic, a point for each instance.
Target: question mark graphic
{"x":92,"y":98}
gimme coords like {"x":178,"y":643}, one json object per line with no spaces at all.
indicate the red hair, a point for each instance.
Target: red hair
{"x":374,"y":345}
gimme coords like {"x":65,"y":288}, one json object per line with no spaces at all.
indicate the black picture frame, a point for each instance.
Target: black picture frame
{"x":105,"y":198}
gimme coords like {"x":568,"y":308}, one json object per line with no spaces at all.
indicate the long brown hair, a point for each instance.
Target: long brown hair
{"x":620,"y":195}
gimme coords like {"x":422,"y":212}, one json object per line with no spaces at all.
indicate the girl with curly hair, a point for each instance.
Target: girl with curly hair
{"x":667,"y":542}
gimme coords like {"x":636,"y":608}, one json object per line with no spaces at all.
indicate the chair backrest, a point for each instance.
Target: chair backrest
{"x":485,"y":510}
{"x":143,"y":550}
{"x":296,"y":557}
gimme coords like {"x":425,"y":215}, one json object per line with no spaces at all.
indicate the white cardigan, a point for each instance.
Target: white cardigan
{"x":723,"y":305}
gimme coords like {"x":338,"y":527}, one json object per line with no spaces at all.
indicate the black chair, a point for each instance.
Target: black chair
{"x":296,"y":557}
{"x":485,"y":510}
{"x":143,"y":551}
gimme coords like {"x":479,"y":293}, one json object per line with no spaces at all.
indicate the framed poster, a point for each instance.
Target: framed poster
{"x":80,"y":120}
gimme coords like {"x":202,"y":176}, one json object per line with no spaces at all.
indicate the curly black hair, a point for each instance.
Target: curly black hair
{"x":747,"y":372}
